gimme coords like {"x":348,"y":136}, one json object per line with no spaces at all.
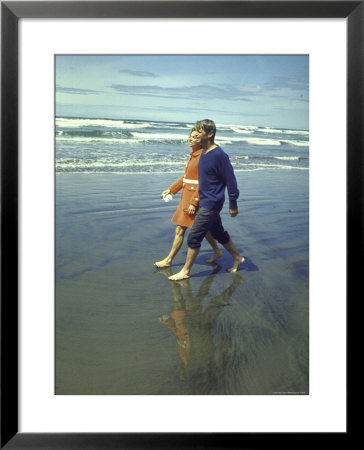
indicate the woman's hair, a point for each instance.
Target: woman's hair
{"x":192,"y":130}
{"x":207,"y":125}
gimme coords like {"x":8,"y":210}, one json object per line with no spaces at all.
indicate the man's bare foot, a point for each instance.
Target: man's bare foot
{"x":182,"y":275}
{"x":163,"y":263}
{"x":216,"y":255}
{"x":237,"y":261}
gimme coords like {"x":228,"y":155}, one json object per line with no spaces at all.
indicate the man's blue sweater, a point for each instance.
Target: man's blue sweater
{"x":215,"y":173}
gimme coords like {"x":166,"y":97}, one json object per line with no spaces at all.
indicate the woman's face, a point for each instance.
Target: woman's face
{"x":194,"y":140}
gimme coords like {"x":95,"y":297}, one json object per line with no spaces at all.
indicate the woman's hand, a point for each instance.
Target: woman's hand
{"x":191,"y":210}
{"x":166,"y":192}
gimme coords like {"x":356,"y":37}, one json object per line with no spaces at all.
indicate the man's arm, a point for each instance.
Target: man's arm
{"x":232,"y":186}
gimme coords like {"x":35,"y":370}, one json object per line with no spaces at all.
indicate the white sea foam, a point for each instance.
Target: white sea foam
{"x":295,"y":142}
{"x":77,"y":163}
{"x":249,"y":140}
{"x":282,"y":131}
{"x":261,"y":141}
{"x":237,"y":128}
{"x":104,"y":140}
{"x":288,"y":158}
{"x":136,"y":138}
{"x":64,"y":122}
{"x":160,"y":136}
{"x":256,"y":166}
{"x":78,"y":123}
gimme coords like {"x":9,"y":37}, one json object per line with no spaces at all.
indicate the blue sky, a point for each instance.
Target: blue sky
{"x":264,"y":90}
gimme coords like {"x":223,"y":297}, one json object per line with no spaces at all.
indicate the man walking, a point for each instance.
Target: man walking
{"x":215,"y":173}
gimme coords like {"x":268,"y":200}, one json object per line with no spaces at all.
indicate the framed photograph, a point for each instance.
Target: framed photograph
{"x":106,"y":339}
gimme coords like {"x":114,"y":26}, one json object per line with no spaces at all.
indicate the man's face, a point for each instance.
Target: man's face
{"x":203,"y":136}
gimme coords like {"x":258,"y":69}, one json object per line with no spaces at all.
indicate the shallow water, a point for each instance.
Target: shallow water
{"x":123,"y":328}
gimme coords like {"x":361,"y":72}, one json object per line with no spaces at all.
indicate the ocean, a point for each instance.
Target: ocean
{"x":91,"y":145}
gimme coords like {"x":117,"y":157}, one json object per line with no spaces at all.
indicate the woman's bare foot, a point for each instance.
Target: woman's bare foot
{"x":182,"y":275}
{"x":237,"y":261}
{"x":216,"y":255}
{"x":163,"y":263}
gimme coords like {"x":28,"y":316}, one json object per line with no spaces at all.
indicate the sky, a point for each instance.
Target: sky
{"x":262,"y":90}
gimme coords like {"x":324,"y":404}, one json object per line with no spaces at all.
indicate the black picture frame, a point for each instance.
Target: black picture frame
{"x":11,"y":12}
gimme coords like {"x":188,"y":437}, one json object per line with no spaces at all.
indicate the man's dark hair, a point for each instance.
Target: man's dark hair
{"x":207,"y":125}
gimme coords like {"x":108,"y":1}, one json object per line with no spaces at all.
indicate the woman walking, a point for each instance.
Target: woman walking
{"x":186,"y":211}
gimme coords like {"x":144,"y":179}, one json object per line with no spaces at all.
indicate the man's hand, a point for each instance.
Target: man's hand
{"x":166,"y":192}
{"x":233,"y":212}
{"x":191,"y":209}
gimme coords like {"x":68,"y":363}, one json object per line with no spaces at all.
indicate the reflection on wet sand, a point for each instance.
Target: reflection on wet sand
{"x":202,"y":357}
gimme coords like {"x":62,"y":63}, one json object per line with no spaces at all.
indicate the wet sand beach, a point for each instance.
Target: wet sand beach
{"x":123,"y":328}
